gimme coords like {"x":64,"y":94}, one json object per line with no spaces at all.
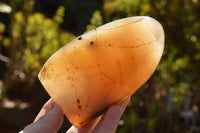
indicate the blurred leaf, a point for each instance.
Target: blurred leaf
{"x":60,"y":13}
{"x":6,"y":42}
{"x":95,"y":21}
{"x":2,"y":27}
{"x":180,"y":63}
{"x":145,"y":9}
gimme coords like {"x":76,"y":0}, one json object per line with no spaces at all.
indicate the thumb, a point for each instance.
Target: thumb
{"x":49,"y":122}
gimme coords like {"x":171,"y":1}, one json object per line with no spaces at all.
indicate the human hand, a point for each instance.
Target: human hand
{"x":50,"y":119}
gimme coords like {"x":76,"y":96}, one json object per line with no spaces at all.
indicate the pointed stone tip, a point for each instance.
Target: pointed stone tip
{"x":156,"y":29}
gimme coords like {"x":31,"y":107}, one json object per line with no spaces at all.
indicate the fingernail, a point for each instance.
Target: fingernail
{"x":115,"y":109}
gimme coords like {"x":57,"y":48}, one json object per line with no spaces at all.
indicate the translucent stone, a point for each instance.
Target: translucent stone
{"x":103,"y":67}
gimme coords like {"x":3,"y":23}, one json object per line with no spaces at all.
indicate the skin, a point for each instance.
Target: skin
{"x":50,"y":119}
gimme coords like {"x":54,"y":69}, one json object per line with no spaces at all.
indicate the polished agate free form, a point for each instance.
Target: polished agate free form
{"x":103,"y":67}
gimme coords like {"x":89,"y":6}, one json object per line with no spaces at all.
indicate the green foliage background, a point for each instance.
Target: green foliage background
{"x":169,"y":102}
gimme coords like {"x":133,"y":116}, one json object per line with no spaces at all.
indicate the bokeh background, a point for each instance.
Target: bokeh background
{"x":32,"y":30}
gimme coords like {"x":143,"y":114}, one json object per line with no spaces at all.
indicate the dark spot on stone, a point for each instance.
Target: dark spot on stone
{"x":68,"y":78}
{"x":76,"y":67}
{"x":78,"y":101}
{"x":86,"y":105}
{"x":80,"y":38}
{"x":79,"y":114}
{"x":43,"y":72}
{"x":79,"y":106}
{"x":109,"y":44}
{"x":91,"y":43}
{"x":44,"y":69}
{"x":72,"y":85}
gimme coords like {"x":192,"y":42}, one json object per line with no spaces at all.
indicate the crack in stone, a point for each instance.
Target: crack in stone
{"x":123,"y":25}
{"x":127,"y":47}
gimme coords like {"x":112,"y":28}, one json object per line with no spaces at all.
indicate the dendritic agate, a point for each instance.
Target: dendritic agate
{"x":103,"y":67}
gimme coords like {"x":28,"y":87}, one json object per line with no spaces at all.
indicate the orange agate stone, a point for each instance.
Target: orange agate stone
{"x":103,"y":67}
